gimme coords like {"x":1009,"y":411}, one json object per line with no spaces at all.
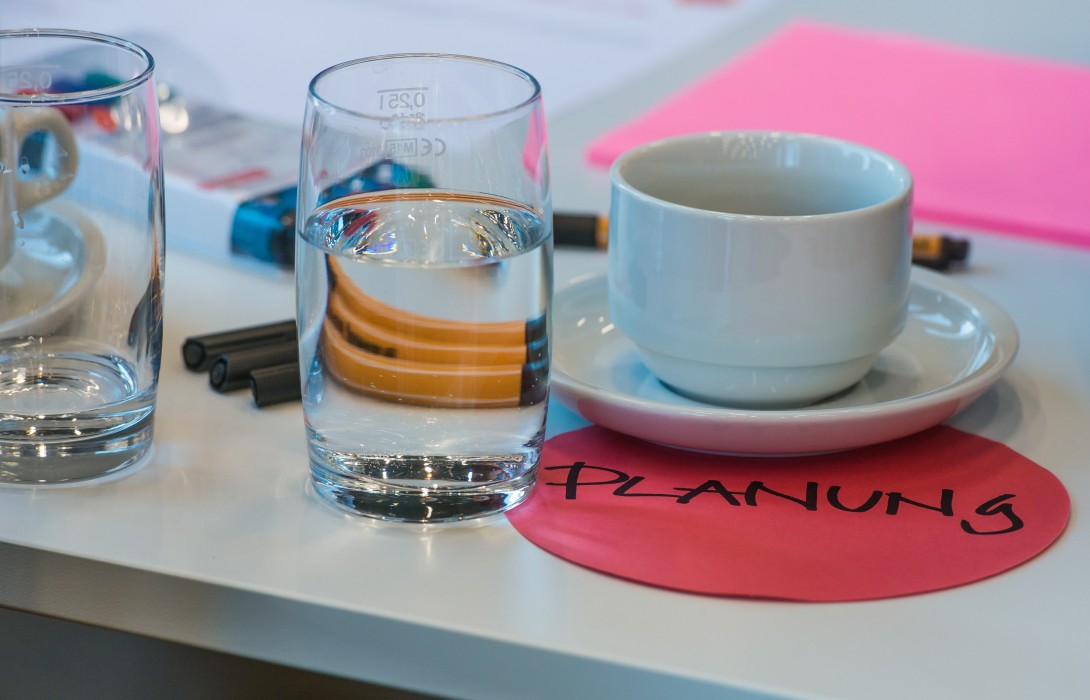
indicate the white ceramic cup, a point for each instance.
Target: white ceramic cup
{"x":759,"y":269}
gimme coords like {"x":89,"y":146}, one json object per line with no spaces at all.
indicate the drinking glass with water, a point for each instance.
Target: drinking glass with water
{"x":423,"y":305}
{"x":81,"y":255}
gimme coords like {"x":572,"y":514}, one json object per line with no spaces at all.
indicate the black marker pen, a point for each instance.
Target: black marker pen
{"x":276,"y":384}
{"x":584,"y":230}
{"x":199,"y":352}
{"x":231,"y":371}
{"x":938,"y":252}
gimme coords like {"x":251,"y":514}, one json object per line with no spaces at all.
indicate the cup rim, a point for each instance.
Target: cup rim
{"x":47,"y":99}
{"x":534,"y":97}
{"x":618,"y":179}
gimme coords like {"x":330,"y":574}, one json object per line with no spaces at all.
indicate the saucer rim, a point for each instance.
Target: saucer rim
{"x":89,"y":249}
{"x":964,"y":389}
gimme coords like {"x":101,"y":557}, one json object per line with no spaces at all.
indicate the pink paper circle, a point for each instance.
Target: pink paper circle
{"x":930,"y":511}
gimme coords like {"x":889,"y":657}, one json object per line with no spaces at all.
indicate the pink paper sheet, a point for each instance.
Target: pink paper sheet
{"x":995,"y":142}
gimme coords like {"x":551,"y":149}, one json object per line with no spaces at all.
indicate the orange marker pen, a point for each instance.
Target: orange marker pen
{"x":432,"y":383}
{"x":366,"y":307}
{"x":381,"y":340}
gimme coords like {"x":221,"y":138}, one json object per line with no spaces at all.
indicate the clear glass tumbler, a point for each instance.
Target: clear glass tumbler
{"x":424,"y":279}
{"x":81,"y":255}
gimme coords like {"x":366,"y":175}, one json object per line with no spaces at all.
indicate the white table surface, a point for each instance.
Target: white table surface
{"x":216,"y":543}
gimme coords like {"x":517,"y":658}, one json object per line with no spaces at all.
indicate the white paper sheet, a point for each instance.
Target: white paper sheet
{"x":258,"y":57}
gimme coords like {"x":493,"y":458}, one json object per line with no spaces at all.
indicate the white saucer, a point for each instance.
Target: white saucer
{"x":59,"y":255}
{"x":955,"y":346}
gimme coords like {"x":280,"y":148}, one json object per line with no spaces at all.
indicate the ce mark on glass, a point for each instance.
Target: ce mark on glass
{"x":406,"y":148}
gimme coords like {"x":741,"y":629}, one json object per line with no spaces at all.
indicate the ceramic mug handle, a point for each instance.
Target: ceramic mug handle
{"x":17,"y":194}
